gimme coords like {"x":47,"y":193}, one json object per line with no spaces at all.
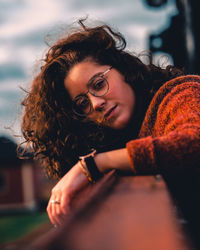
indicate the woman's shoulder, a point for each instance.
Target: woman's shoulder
{"x":174,"y":92}
{"x":174,"y":87}
{"x":183,"y":79}
{"x":177,"y":83}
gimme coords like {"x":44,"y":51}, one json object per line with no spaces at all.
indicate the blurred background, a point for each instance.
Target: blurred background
{"x":163,"y":26}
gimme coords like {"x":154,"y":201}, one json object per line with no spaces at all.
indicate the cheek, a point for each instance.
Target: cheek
{"x":125,"y":94}
{"x":113,"y":92}
{"x":120,"y":89}
{"x":128,"y":100}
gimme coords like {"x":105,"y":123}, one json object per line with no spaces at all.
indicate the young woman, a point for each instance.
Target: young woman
{"x":94,"y":99}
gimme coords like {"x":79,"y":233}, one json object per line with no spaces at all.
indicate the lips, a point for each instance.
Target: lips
{"x":109,"y":111}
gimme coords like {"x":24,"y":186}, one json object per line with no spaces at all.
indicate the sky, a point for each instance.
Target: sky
{"x":25,"y":25}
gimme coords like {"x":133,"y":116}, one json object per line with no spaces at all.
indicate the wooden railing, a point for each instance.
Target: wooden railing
{"x":122,"y":213}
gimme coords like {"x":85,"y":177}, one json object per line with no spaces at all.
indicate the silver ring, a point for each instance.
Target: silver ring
{"x":55,"y":202}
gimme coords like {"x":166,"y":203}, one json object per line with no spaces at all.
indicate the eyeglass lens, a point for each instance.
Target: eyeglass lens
{"x":97,"y":87}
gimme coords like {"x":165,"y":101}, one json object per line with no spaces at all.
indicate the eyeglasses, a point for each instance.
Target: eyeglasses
{"x":97,"y":86}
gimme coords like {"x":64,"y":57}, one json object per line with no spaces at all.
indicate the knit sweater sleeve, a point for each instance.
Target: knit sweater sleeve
{"x":170,"y":141}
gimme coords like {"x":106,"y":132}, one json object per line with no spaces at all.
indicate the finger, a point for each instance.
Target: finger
{"x":50,"y":213}
{"x":55,"y":212}
{"x":65,"y":202}
{"x":58,"y":212}
{"x":52,"y":210}
{"x":61,"y":211}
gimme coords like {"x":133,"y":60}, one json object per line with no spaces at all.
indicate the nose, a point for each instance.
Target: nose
{"x":97,"y":103}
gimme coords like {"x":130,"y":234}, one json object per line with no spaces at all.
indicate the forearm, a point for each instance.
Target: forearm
{"x":172,"y":153}
{"x":116,"y":159}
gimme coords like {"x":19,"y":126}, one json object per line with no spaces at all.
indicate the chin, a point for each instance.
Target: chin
{"x":120,"y":124}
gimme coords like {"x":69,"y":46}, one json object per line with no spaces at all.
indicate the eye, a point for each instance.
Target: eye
{"x":98,"y":84}
{"x":82,"y":102}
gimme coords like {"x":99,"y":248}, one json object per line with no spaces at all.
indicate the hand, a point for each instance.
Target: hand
{"x":63,"y":192}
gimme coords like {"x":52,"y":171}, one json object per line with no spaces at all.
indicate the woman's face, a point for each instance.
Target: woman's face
{"x":116,"y":107}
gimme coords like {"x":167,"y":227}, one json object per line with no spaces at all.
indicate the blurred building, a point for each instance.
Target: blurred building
{"x":18,"y":179}
{"x":181,"y":39}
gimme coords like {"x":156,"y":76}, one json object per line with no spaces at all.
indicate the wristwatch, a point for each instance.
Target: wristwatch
{"x":88,"y":160}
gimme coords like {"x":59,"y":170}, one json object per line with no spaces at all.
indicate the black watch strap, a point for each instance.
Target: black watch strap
{"x":92,"y":168}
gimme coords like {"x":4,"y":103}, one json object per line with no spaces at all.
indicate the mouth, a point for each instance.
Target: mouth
{"x":110,"y":112}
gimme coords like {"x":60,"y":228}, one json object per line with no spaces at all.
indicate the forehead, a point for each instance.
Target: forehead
{"x":79,"y":75}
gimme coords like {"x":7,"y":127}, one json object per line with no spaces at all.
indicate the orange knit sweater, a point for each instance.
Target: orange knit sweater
{"x":169,"y":138}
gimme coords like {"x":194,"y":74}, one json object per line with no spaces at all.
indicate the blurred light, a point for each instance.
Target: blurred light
{"x":157,"y":42}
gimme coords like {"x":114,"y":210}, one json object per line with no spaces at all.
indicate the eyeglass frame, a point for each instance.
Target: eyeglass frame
{"x":88,"y":91}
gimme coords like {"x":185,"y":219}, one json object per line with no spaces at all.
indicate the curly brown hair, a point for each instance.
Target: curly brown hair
{"x":56,"y":136}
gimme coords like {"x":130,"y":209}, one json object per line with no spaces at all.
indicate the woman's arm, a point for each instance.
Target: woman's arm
{"x":175,"y":151}
{"x":116,"y":159}
{"x":75,"y":180}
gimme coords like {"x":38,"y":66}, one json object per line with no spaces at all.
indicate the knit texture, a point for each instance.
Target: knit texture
{"x":169,"y":138}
